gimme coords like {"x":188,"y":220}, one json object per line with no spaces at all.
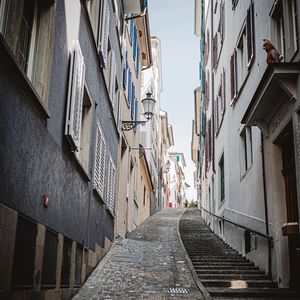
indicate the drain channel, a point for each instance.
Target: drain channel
{"x":178,"y":290}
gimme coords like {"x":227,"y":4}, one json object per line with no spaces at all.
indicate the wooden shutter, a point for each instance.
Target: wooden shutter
{"x":233,"y":75}
{"x":99,"y":167}
{"x":129,"y":88}
{"x":120,"y":109}
{"x":134,"y":43}
{"x":75,"y":97}
{"x":103,"y":47}
{"x":215,"y":51}
{"x":112,"y":80}
{"x":203,"y":123}
{"x":250,"y":34}
{"x":223,"y":92}
{"x":136,"y":110}
{"x":111,"y":186}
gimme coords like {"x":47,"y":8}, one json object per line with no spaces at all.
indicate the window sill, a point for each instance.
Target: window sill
{"x":246,"y":173}
{"x":10,"y":64}
{"x":82,"y":169}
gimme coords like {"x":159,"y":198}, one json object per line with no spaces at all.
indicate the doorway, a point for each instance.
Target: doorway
{"x":289,"y":174}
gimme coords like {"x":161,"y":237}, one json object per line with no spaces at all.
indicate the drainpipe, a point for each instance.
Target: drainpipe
{"x":266,"y":207}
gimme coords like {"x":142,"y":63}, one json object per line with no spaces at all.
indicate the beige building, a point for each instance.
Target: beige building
{"x":137,"y":57}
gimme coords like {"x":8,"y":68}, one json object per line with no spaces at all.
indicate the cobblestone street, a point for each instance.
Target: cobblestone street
{"x":144,"y":265}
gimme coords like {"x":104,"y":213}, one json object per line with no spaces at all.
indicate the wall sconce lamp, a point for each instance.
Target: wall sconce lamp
{"x":148,"y":104}
{"x":167,"y":167}
{"x":136,"y":16}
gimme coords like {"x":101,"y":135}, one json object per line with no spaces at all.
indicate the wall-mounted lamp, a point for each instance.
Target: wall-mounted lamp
{"x":167,"y":167}
{"x":148,"y":104}
{"x":136,"y":16}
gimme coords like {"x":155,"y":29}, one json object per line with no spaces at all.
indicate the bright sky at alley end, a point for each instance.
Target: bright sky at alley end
{"x":172,"y":21}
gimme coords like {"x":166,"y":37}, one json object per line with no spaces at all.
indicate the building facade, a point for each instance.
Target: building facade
{"x":251,"y":112}
{"x":61,"y":76}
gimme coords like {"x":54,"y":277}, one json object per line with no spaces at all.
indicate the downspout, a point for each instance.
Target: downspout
{"x":266,"y":207}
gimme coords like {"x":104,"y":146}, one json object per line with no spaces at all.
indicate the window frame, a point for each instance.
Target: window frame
{"x":246,"y":150}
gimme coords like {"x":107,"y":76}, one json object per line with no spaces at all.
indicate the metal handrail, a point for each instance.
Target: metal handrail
{"x":269,"y":238}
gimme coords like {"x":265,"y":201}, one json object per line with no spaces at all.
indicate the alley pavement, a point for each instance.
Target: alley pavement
{"x":149,"y":264}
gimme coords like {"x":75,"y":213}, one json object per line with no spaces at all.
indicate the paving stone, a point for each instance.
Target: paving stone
{"x":144,"y":265}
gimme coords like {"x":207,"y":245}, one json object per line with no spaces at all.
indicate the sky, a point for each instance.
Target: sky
{"x":172,"y":21}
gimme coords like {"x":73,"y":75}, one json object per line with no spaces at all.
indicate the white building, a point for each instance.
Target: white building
{"x":250,"y":171}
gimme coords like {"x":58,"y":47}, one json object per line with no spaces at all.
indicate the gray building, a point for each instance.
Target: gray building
{"x":60,"y":80}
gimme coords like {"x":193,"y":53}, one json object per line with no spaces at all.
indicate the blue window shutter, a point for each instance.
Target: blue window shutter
{"x":134,"y":42}
{"x":138,"y":62}
{"x":125,"y":71}
{"x":132,"y":100}
{"x":131,"y":31}
{"x":129,"y":87}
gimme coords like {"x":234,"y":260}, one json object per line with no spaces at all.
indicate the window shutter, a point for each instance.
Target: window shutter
{"x":216,"y":116}
{"x":223,"y":92}
{"x":136,"y":110}
{"x":131,"y":31}
{"x":103,"y":47}
{"x":75,"y":97}
{"x":120,"y":108}
{"x":233,"y":75}
{"x":112,"y":80}
{"x":129,"y":88}
{"x":222,"y":20}
{"x":4,"y":4}
{"x":203,"y":123}
{"x":250,"y":34}
{"x":111,"y":186}
{"x":209,"y":139}
{"x":125,"y":65}
{"x":99,"y":168}
{"x":134,"y":42}
{"x":132,"y":100}
{"x":138,"y":62}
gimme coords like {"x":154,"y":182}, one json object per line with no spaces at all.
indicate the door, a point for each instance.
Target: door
{"x":289,"y":174}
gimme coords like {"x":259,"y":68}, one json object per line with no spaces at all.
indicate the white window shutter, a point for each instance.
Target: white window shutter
{"x":120,"y":108}
{"x":103,"y":46}
{"x":111,"y":186}
{"x":112,"y":80}
{"x":75,"y":97}
{"x":99,"y":167}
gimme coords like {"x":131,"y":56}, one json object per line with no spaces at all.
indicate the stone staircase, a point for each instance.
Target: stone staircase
{"x":223,"y":272}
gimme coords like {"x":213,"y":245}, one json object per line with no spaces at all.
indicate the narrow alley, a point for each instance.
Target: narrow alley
{"x":149,"y":264}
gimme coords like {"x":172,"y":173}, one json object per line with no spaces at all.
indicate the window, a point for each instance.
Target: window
{"x":243,"y":55}
{"x":104,"y":33}
{"x":246,"y":156}
{"x":111,"y":186}
{"x":85,"y":132}
{"x":277,"y":27}
{"x":215,"y":53}
{"x":234,"y":4}
{"x":241,"y":59}
{"x":24,"y":254}
{"x":220,"y":103}
{"x":24,"y":23}
{"x":290,"y":29}
{"x":75,"y":98}
{"x":222,"y":179}
{"x":66,"y":263}
{"x":49,"y":260}
{"x":3,"y":16}
{"x":100,"y":158}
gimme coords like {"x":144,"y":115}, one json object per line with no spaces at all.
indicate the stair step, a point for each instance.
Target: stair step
{"x":233,"y":276}
{"x":272,"y":293}
{"x":208,"y":261}
{"x":223,"y":263}
{"x":229,"y":271}
{"x":238,"y":283}
{"x":224,"y":267}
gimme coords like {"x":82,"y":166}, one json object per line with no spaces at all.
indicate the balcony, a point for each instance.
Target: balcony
{"x":273,"y":98}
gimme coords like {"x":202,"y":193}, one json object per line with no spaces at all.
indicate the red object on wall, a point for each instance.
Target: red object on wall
{"x":46,"y":200}
{"x":170,"y":204}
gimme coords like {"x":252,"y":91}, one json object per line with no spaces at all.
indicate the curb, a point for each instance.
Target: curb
{"x":199,"y":284}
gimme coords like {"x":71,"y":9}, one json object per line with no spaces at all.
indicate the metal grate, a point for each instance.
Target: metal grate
{"x":178,"y":290}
